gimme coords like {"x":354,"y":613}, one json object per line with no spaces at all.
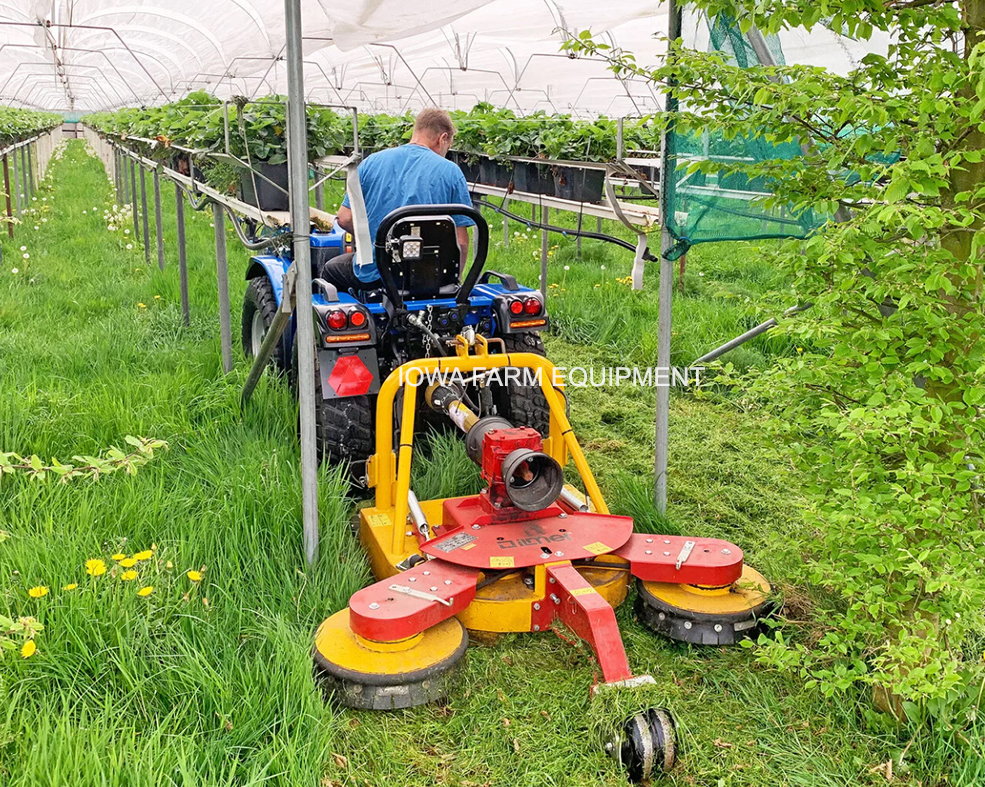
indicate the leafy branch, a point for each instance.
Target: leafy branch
{"x":84,"y":466}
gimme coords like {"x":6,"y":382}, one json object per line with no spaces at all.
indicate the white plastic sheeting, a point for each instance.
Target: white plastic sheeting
{"x":378,"y":55}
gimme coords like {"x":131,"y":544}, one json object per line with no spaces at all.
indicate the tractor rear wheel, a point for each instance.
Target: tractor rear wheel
{"x":525,"y":405}
{"x":259,"y":310}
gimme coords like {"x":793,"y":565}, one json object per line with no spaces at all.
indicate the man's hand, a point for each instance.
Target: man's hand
{"x":344,"y":218}
{"x":463,"y":245}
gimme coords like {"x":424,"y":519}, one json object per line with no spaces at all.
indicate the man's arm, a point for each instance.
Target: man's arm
{"x":463,"y":245}
{"x":344,"y":218}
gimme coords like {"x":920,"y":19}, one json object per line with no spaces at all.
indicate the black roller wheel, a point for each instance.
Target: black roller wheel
{"x":259,"y":310}
{"x":356,"y":675}
{"x":344,"y":429}
{"x":645,"y":744}
{"x":524,"y":405}
{"x":707,"y":616}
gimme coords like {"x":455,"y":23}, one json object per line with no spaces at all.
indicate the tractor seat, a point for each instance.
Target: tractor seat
{"x":424,"y":257}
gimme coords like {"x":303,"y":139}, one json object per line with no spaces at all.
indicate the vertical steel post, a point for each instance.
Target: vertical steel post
{"x":31,"y":182}
{"x":222,"y":279}
{"x":578,"y":239}
{"x":545,"y":214}
{"x":133,"y":199}
{"x":144,"y":216}
{"x":664,"y":316}
{"x":319,"y":194}
{"x":157,"y":217}
{"x":6,"y":188}
{"x":25,"y":188}
{"x":15,"y":183}
{"x":179,"y":210}
{"x":118,"y":181}
{"x":297,"y":156}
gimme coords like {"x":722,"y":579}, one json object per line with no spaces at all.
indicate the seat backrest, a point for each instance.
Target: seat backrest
{"x":436,"y":271}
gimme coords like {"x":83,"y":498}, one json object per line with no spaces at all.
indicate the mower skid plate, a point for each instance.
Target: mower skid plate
{"x":682,"y":559}
{"x":407,"y":603}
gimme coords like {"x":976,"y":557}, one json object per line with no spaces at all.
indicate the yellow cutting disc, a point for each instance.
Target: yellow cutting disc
{"x":342,"y":652}
{"x":747,"y":593}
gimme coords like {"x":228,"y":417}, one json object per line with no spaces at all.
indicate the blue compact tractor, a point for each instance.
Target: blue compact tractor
{"x":423,"y":305}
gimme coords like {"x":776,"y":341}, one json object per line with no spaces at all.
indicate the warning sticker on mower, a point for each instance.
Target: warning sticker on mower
{"x":454,"y":542}
{"x":500,"y":562}
{"x":582,"y":591}
{"x":597,"y":548}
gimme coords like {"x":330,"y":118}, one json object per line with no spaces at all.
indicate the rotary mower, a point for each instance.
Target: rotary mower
{"x":529,"y":553}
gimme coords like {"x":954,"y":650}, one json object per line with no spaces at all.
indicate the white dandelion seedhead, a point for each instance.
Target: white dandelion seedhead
{"x":14,"y":271}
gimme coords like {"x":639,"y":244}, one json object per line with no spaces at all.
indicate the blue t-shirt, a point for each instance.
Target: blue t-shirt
{"x":407,"y":175}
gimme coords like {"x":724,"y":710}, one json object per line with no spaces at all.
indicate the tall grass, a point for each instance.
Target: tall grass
{"x":209,"y":682}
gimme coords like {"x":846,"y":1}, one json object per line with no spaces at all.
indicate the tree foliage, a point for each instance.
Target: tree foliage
{"x":885,"y":414}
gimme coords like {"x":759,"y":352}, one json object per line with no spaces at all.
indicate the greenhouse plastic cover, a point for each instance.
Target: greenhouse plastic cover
{"x":378,"y":55}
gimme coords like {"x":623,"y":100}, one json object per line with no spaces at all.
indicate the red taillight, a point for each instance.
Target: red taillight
{"x":357,"y":320}
{"x":337,"y":320}
{"x":516,"y":307}
{"x":531,"y":306}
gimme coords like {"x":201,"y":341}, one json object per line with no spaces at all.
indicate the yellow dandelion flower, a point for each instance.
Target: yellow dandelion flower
{"x":145,"y":555}
{"x":141,"y":306}
{"x":157,"y":297}
{"x":194,"y":576}
{"x":119,"y":556}
{"x":169,"y":564}
{"x":128,"y":576}
{"x":28,"y":649}
{"x":72,"y":586}
{"x":129,"y":562}
{"x":95,"y":567}
{"x":146,"y":591}
{"x":38,"y":592}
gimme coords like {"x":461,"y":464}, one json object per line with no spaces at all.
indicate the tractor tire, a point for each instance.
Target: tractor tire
{"x":259,"y":310}
{"x":524,"y":405}
{"x":344,"y":429}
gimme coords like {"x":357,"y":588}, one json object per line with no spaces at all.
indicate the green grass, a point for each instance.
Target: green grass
{"x":171,"y":690}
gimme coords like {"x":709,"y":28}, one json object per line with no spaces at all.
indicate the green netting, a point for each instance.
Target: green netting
{"x":727,"y":204}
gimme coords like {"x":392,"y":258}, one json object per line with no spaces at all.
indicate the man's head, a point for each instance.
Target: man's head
{"x":433,"y":129}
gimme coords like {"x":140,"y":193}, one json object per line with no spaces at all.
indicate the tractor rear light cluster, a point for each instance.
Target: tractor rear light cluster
{"x":338,"y":320}
{"x":532,"y":307}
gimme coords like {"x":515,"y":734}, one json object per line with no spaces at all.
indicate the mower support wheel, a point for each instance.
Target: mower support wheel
{"x":387,"y":675}
{"x":707,"y":616}
{"x":645,"y":744}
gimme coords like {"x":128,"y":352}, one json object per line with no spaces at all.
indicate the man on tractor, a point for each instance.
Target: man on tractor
{"x":413,"y":174}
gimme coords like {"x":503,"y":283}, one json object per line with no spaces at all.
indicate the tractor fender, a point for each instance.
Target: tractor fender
{"x":273,"y":268}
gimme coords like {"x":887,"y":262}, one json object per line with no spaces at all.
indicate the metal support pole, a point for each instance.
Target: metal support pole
{"x":31,"y":182}
{"x":6,"y":188}
{"x":15,"y":183}
{"x":297,"y":156}
{"x":545,"y":214}
{"x":133,"y":199}
{"x":143,"y":211}
{"x":664,"y":317}
{"x":179,"y":210}
{"x":506,"y":229}
{"x":222,"y":278}
{"x":157,"y":217}
{"x":578,"y":239}
{"x":320,"y":195}
{"x":25,"y":188}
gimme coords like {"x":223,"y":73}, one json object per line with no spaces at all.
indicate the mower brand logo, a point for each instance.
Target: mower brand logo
{"x":535,"y":536}
{"x":575,"y":376}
